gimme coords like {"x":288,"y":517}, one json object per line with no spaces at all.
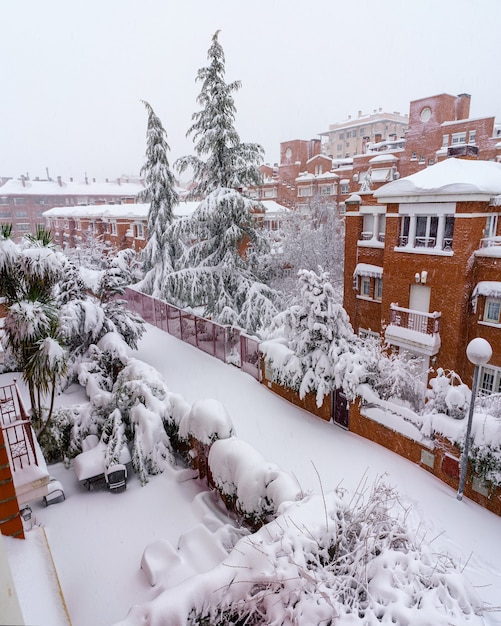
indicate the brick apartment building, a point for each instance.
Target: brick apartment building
{"x":124,"y":225}
{"x":394,"y":146}
{"x":423,"y":264}
{"x":23,"y":201}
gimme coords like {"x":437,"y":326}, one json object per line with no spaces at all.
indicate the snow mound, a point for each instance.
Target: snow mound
{"x":207,"y":421}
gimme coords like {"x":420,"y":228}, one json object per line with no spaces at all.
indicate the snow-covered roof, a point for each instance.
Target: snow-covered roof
{"x":383,"y":158}
{"x":271,"y":207}
{"x":488,"y":288}
{"x":116,"y":211}
{"x":366,"y":269}
{"x":14,"y":187}
{"x":454,"y":177}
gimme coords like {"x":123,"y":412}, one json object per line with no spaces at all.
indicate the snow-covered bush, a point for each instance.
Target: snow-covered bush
{"x":447,"y":394}
{"x":326,"y":561}
{"x":392,"y":375}
{"x":320,"y":340}
{"x":254,"y":487}
{"x":206,"y":421}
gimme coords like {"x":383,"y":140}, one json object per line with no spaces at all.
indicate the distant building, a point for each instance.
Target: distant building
{"x":125,"y":225}
{"x":23,"y":201}
{"x":348,"y":138}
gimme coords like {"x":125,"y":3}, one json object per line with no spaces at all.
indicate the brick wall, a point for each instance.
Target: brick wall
{"x":11,"y":523}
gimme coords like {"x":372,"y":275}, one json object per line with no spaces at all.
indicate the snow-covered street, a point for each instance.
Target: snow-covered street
{"x":97,"y":538}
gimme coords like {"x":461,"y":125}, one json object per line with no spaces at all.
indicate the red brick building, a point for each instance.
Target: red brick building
{"x":23,"y":201}
{"x":423,"y":264}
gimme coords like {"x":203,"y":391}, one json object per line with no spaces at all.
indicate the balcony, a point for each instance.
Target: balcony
{"x":414,"y":330}
{"x":29,"y":470}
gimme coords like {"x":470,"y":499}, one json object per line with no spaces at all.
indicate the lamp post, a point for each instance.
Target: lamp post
{"x":479,"y":352}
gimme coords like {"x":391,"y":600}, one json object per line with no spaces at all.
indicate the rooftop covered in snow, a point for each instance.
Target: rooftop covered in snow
{"x":59,"y":187}
{"x":450,"y":179}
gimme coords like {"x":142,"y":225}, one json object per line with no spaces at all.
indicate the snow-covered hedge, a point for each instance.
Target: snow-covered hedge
{"x":255,"y":487}
{"x":206,"y":421}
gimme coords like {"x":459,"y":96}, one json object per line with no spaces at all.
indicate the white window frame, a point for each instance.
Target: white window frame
{"x":458,"y":138}
{"x":305,"y":192}
{"x":113,"y":228}
{"x":492,"y":310}
{"x":472,"y":136}
{"x":378,"y":289}
{"x":139,"y":230}
{"x":345,"y":188}
{"x":365,"y":286}
{"x":489,"y":380}
{"x":326,"y":190}
{"x":445,"y":141}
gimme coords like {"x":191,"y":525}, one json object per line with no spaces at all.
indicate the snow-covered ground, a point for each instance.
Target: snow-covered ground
{"x":97,"y":538}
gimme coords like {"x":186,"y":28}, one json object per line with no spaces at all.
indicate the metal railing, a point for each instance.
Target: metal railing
{"x":427,"y":323}
{"x":226,"y":343}
{"x":15,"y":423}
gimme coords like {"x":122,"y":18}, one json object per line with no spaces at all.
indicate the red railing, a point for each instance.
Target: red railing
{"x":18,"y":433}
{"x":226,"y":343}
{"x":427,"y":323}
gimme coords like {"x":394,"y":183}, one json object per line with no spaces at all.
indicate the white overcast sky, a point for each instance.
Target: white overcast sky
{"x":74,"y":71}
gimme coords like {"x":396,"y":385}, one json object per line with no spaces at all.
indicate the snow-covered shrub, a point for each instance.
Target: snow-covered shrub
{"x":320,"y":340}
{"x":253,"y":486}
{"x":447,"y":394}
{"x":206,"y":421}
{"x":56,"y":438}
{"x":326,"y":561}
{"x":392,"y":375}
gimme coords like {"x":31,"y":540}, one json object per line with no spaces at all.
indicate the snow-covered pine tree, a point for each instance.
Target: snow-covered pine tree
{"x":221,"y":160}
{"x":160,"y":192}
{"x":220,"y":265}
{"x":319,"y":333}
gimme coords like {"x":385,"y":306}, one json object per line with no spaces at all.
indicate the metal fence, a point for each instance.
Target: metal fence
{"x":226,"y":343}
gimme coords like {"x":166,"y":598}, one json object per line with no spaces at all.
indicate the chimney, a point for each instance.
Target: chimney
{"x":23,"y":180}
{"x":93,"y":180}
{"x":360,"y":114}
{"x":106,"y":180}
{"x":378,"y":137}
{"x":59,"y":181}
{"x":463,"y":106}
{"x":71,"y":179}
{"x":86,"y":179}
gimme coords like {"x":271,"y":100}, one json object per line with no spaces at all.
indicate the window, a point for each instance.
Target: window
{"x":472,"y":136}
{"x":23,"y":227}
{"x":414,"y":156}
{"x":363,"y":333}
{"x":362,"y":132}
{"x":41,"y":201}
{"x":378,"y":289}
{"x":425,"y":230}
{"x":139,"y":231}
{"x":354,"y":133}
{"x":339,"y":147}
{"x":431,"y":161}
{"x":491,"y":226}
{"x":4,"y":214}
{"x":489,"y":380}
{"x":348,"y":134}
{"x":492,"y":310}
{"x":365,"y":286}
{"x":458,"y":138}
{"x":445,"y":141}
{"x":422,"y":159}
{"x":270,"y":193}
{"x":341,"y":135}
{"x":325,"y":190}
{"x":21,"y":213}
{"x":345,"y":188}
{"x":304,"y":192}
{"x":4,"y":200}
{"x":19,"y":200}
{"x":78,"y":225}
{"x":113,"y":227}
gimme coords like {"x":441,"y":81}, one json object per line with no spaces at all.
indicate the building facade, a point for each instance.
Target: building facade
{"x":423,"y":265}
{"x":24,"y":201}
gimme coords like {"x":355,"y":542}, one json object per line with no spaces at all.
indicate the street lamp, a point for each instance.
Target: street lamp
{"x":479,"y":352}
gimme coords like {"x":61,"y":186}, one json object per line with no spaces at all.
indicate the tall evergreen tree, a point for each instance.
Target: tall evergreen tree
{"x":160,"y":192}
{"x":221,"y":160}
{"x":219,"y":264}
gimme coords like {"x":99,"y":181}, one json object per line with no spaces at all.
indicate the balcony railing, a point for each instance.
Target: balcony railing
{"x":488,"y":242}
{"x":427,"y":323}
{"x":16,"y":425}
